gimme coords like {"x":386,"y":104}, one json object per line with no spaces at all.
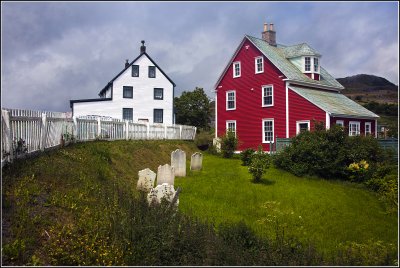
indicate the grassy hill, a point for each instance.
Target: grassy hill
{"x":79,"y":206}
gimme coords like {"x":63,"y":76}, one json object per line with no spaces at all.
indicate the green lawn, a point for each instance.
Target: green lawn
{"x":324,"y":212}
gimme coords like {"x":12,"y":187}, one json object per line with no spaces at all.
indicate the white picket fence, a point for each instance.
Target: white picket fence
{"x":26,"y":131}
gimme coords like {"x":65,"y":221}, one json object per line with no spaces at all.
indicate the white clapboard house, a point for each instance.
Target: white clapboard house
{"x":140,"y":92}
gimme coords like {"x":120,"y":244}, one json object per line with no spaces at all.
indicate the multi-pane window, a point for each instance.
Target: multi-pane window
{"x":127,"y":113}
{"x":316,"y":65}
{"x":152,"y":71}
{"x":354,"y":128}
{"x":267,"y":96}
{"x":307,"y":64}
{"x":128,"y":92}
{"x":259,"y":62}
{"x":236,"y":69}
{"x":231,"y":126}
{"x":340,"y":123}
{"x":158,"y":115}
{"x":302,"y":126}
{"x":158,"y":93}
{"x":367,"y":128}
{"x":135,"y":70}
{"x":268,"y":130}
{"x":230,"y":100}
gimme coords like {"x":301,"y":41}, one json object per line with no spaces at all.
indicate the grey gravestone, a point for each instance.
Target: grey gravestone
{"x":178,"y":161}
{"x":196,"y":161}
{"x":165,"y":174}
{"x":146,"y":180}
{"x":164,"y":190}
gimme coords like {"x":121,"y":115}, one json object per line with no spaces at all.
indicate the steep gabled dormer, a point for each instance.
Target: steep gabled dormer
{"x":305,"y":58}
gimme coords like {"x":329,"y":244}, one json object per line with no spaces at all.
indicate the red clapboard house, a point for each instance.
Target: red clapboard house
{"x":269,"y":90}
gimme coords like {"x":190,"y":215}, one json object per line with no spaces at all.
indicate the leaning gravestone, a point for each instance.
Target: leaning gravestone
{"x":146,"y":180}
{"x":178,"y":161}
{"x":165,"y":174}
{"x":164,"y":190}
{"x":196,"y":161}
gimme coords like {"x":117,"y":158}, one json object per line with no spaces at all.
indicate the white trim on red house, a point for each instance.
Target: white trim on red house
{"x":328,"y":121}
{"x":262,"y":95}
{"x":302,"y":122}
{"x":357,"y":130}
{"x":365,"y":128}
{"x":287,"y":108}
{"x":263,"y":132}
{"x":227,"y":125}
{"x":234,"y":69}
{"x":234,"y":100}
{"x":256,"y":66}
{"x":216,"y":115}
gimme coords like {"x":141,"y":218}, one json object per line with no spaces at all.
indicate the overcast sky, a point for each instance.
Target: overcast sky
{"x":53,"y":52}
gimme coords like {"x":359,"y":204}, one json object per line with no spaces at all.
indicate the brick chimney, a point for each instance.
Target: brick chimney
{"x":142,"y":48}
{"x":127,"y":63}
{"x":269,"y":34}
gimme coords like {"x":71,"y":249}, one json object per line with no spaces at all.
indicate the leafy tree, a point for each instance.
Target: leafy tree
{"x":193,"y":108}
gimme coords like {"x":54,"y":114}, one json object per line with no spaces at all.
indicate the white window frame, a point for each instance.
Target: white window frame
{"x":311,"y":65}
{"x":256,"y":64}
{"x":365,"y":128}
{"x":318,"y":65}
{"x":231,"y":122}
{"x":357,"y":123}
{"x":302,"y":122}
{"x":234,"y":69}
{"x":234,"y":100}
{"x":273,"y":130}
{"x":340,"y":123}
{"x":263,"y":95}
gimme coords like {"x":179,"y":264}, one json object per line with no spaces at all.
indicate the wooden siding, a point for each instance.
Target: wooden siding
{"x":142,"y":103}
{"x":249,"y":112}
{"x":301,"y":109}
{"x":362,"y":124}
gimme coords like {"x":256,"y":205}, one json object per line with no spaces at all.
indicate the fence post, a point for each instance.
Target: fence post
{"x":6,"y":121}
{"x":194,"y":133}
{"x":180,"y":132}
{"x":127,"y":130}
{"x":43,"y":132}
{"x":98,"y":128}
{"x":165,"y":131}
{"x":148,"y":130}
{"x":75,"y":127}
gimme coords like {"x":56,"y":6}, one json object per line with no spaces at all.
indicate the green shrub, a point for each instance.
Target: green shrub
{"x":259,"y":164}
{"x":203,"y":140}
{"x":246,"y":155}
{"x":229,"y":143}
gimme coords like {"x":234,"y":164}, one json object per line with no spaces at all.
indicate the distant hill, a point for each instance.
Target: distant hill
{"x":365,"y":88}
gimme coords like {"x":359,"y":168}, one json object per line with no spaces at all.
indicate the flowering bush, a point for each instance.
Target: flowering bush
{"x":358,"y":171}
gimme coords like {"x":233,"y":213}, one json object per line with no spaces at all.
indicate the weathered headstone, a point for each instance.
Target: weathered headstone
{"x":178,"y":161}
{"x":165,"y":174}
{"x":196,"y":161}
{"x":146,"y":180}
{"x":164,"y":190}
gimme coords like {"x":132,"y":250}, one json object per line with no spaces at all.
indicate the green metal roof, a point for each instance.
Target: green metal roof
{"x":278,"y":57}
{"x":336,"y":104}
{"x":299,"y":50}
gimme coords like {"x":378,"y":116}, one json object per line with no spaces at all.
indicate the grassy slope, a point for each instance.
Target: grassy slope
{"x":326,"y":212}
{"x":66,"y":193}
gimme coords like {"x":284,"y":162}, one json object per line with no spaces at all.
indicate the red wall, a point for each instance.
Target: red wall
{"x":362,"y":124}
{"x":249,"y":113}
{"x":301,"y":109}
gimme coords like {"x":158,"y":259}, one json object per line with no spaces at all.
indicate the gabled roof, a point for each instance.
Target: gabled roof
{"x":299,"y":50}
{"x":336,"y":104}
{"x":277,"y":56}
{"x":141,"y":54}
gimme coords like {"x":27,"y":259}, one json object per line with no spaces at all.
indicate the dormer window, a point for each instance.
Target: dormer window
{"x":316,"y":65}
{"x":307,"y":64}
